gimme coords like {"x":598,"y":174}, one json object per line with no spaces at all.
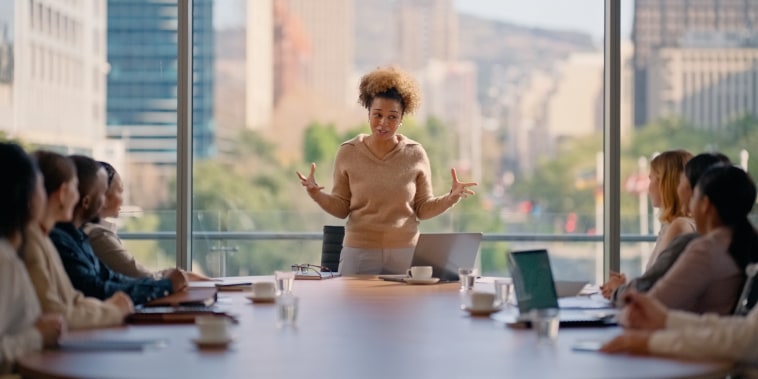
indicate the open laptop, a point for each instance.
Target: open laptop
{"x":535,"y":289}
{"x":445,"y":252}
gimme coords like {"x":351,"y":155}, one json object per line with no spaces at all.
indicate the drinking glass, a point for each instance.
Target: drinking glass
{"x":503,"y":289}
{"x":467,"y":277}
{"x":545,"y":323}
{"x":286,"y":310}
{"x":285,"y":282}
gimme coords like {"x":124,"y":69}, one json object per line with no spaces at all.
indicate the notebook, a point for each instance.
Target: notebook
{"x":445,"y":252}
{"x":199,"y":296}
{"x":535,"y":289}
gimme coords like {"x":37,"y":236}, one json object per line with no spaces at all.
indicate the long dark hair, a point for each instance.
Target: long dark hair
{"x":57,"y":169}
{"x":700,"y":163}
{"x":108,"y":170}
{"x":732,"y":192}
{"x":16,"y":194}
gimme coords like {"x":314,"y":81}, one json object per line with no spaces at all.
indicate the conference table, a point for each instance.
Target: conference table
{"x":359,"y":327}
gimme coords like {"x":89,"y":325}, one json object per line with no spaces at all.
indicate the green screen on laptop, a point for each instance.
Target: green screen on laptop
{"x":533,"y":280}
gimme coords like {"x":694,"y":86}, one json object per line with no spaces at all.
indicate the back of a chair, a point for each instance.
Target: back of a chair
{"x":332,"y":247}
{"x":749,"y":295}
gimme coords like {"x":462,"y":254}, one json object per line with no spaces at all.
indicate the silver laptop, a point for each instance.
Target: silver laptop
{"x":445,"y":252}
{"x":535,"y":289}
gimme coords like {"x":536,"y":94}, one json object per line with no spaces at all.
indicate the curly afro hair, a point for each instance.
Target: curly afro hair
{"x":390,"y":83}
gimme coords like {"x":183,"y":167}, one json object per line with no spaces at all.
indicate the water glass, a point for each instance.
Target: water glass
{"x":286,"y":310}
{"x":545,"y":323}
{"x":503,"y":288}
{"x":467,"y":277}
{"x":285,"y":282}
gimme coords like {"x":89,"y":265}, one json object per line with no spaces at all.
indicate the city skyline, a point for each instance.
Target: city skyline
{"x":578,"y":15}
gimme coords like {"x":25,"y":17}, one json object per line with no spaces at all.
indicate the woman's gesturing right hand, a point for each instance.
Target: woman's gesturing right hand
{"x":310,"y":182}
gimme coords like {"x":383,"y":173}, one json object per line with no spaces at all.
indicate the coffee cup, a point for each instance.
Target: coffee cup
{"x":482,"y":300}
{"x":264,"y":289}
{"x":420,"y":272}
{"x":213,"y":328}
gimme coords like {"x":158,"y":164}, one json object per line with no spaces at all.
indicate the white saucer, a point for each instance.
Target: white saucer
{"x":260,"y":299}
{"x":482,"y":312}
{"x":422,"y":281}
{"x":212,"y":344}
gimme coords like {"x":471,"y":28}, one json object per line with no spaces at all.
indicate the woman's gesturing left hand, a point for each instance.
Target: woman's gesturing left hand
{"x":460,"y":189}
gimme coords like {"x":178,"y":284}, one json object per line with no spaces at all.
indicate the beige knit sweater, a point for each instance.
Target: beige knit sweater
{"x":384,"y":199}
{"x":54,"y":289}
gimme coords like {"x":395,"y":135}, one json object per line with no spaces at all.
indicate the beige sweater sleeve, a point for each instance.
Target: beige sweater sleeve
{"x":425,"y":204}
{"x":336,"y":203}
{"x":56,"y":294}
{"x":708,"y":337}
{"x":108,"y":247}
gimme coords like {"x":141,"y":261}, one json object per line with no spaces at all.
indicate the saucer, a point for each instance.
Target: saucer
{"x":212,"y":344}
{"x":260,"y":299}
{"x":422,"y":281}
{"x":483,"y":311}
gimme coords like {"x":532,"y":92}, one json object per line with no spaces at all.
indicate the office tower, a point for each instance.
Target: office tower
{"x":142,"y":83}
{"x":328,"y":25}
{"x":575,"y":106}
{"x":52,"y":73}
{"x":428,"y":29}
{"x":710,"y":80}
{"x":450,"y":95}
{"x":259,"y":64}
{"x":661,"y":24}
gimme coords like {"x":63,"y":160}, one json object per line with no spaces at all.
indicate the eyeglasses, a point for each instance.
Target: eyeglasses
{"x":302,"y":269}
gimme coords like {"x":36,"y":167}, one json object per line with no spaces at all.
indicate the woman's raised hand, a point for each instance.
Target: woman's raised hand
{"x":460,"y":189}
{"x":310,"y":182}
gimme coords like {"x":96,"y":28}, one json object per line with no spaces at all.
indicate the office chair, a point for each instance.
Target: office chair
{"x":331,"y":247}
{"x":749,"y":295}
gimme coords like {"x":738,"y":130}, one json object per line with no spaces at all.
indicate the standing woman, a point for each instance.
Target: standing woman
{"x":54,"y":289}
{"x":22,"y":327}
{"x":382,"y":181}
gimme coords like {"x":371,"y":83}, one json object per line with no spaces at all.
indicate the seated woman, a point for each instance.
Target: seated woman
{"x":694,"y":168}
{"x":709,"y":274}
{"x":105,"y":242}
{"x":22,"y":327}
{"x":665,"y":170}
{"x":54,"y":289}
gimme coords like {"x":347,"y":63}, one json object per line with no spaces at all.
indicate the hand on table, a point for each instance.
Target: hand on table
{"x":50,"y":326}
{"x":460,"y":189}
{"x":614,"y":281}
{"x":122,"y":301}
{"x":633,"y":342}
{"x":643,"y":312}
{"x":178,"y":279}
{"x":310,"y":182}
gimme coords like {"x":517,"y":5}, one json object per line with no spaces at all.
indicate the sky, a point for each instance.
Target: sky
{"x":578,"y":15}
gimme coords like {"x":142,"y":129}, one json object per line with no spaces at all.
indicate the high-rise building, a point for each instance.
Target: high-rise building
{"x":709,"y":81}
{"x":52,"y":73}
{"x":428,"y":29}
{"x":142,"y":83}
{"x":259,"y":64}
{"x":328,"y":25}
{"x":662,"y":24}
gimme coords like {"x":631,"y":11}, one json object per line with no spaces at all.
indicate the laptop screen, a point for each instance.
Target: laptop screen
{"x":533,"y":280}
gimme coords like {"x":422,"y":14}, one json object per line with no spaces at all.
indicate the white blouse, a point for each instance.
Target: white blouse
{"x":708,"y":336}
{"x":20,"y":309}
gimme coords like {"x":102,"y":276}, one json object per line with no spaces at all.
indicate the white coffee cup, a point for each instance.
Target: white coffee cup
{"x":264,"y":289}
{"x":213,"y":328}
{"x":420,"y":272}
{"x":482,"y":300}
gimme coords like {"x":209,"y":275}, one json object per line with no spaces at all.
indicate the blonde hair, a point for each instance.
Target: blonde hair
{"x":392,"y":83}
{"x":668,"y":167}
